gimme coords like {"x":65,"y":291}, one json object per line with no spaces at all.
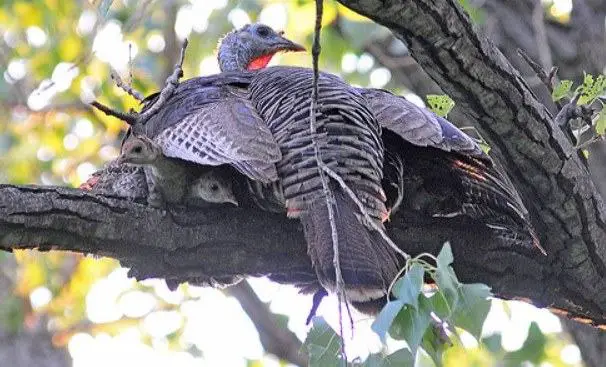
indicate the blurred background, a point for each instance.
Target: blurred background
{"x":61,"y":309}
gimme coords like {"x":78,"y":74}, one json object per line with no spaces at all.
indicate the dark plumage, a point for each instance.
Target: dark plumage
{"x":393,"y":155}
{"x":259,"y":124}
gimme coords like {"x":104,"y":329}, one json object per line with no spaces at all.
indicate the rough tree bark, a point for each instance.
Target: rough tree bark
{"x":217,"y":242}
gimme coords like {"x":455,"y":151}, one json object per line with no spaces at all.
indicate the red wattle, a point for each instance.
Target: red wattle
{"x":260,"y":62}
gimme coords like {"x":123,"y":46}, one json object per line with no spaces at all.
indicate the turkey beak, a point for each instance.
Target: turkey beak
{"x":233,"y":201}
{"x":284,"y":44}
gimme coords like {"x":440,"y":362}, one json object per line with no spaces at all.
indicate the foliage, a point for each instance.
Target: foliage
{"x":440,"y":104}
{"x":423,"y":319}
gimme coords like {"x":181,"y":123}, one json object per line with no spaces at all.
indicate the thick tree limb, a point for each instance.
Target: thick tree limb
{"x":220,"y":241}
{"x":563,"y":201}
{"x":276,"y":339}
{"x":223,"y":241}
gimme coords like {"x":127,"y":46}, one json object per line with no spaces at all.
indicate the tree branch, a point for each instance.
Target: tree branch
{"x":221,"y":241}
{"x":276,"y":339}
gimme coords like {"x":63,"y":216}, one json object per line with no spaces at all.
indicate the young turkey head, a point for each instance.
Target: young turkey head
{"x":140,"y":150}
{"x":252,"y":47}
{"x":213,"y":188}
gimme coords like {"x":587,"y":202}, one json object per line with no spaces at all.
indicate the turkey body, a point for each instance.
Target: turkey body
{"x":260,"y":124}
{"x":393,"y":154}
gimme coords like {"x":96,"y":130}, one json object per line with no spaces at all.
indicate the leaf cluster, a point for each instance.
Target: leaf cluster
{"x":424,"y":320}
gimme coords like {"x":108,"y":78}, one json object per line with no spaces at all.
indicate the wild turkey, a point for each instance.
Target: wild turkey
{"x":258,"y":123}
{"x":175,"y":181}
{"x":482,"y":186}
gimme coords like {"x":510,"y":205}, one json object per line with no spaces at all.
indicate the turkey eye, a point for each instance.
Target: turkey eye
{"x":263,"y":31}
{"x":214,"y":187}
{"x":137,"y":150}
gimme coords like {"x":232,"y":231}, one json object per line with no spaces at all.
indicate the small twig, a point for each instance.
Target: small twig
{"x":538,"y":23}
{"x":587,"y":143}
{"x":169,"y":88}
{"x":126,"y":117}
{"x":367,"y":217}
{"x":171,"y":84}
{"x":339,"y":283}
{"x":546,"y":78}
{"x":127,"y":88}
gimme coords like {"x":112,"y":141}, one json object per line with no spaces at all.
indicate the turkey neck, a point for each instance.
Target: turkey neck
{"x":233,"y":57}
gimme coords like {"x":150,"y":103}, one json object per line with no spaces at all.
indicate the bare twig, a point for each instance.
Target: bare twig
{"x":546,"y":78}
{"x":169,"y":88}
{"x":126,"y":117}
{"x":330,"y":200}
{"x":125,"y":87}
{"x":540,"y":35}
{"x":357,"y":201}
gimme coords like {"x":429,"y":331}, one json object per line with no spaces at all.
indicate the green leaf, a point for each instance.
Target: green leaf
{"x":440,"y":104}
{"x":485,"y":147}
{"x":561,"y":90}
{"x":12,"y":314}
{"x":408,"y":288}
{"x":445,"y":257}
{"x":439,"y":305}
{"x":445,"y":277}
{"x":385,"y":318}
{"x":475,"y":12}
{"x":401,"y":357}
{"x":411,"y":324}
{"x":323,"y":344}
{"x":472,"y":308}
{"x":600,"y":124}
{"x":592,"y":88}
{"x":433,"y":345}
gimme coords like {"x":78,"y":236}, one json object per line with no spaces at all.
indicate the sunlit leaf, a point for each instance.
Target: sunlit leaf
{"x":440,"y":104}
{"x":592,"y":88}
{"x":561,"y":90}
{"x":532,"y":350}
{"x":410,"y":324}
{"x":600,"y":123}
{"x":349,"y":14}
{"x":322,"y":344}
{"x":401,"y":357}
{"x":472,"y":308}
{"x":408,"y":288}
{"x":385,"y":318}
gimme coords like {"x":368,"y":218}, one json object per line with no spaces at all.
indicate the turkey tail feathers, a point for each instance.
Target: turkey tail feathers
{"x":367,"y":262}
